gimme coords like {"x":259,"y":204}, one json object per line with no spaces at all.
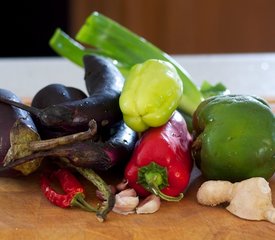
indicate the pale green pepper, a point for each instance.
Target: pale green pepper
{"x":150,"y":95}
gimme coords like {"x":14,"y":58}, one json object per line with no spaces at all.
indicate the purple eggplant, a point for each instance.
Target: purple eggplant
{"x":58,"y":93}
{"x":104,"y":84}
{"x":115,"y":147}
{"x":16,"y":126}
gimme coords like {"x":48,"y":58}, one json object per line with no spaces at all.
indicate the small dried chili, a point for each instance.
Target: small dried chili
{"x":74,"y":191}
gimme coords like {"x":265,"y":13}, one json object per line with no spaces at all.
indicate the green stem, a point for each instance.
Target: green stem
{"x":65,"y":46}
{"x":68,"y":48}
{"x":120,"y":43}
{"x":153,"y":177}
{"x":79,"y":201}
{"x":155,"y":189}
{"x":91,"y":176}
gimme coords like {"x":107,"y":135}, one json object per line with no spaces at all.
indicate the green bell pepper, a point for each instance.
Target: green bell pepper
{"x":234,"y":138}
{"x":151,"y":93}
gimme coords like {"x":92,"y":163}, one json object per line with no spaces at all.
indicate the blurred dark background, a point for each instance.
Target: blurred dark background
{"x":26,"y":26}
{"x":176,"y":26}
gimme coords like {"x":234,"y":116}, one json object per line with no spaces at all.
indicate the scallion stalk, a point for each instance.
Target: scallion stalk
{"x":117,"y":42}
{"x":68,"y":48}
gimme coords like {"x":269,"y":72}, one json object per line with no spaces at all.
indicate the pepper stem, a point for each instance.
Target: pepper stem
{"x":155,"y":189}
{"x":153,"y":177}
{"x":78,"y":201}
{"x":91,"y":176}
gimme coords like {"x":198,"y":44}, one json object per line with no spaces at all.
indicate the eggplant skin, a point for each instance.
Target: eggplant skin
{"x":104,"y":84}
{"x":9,"y":115}
{"x":59,"y":94}
{"x":102,"y":76}
{"x":120,"y":144}
{"x":55,"y":94}
{"x":114,"y":148}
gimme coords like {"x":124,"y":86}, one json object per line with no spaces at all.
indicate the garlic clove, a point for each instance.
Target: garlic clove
{"x":129,"y":192}
{"x":125,"y":204}
{"x":150,"y":204}
{"x":118,"y":211}
{"x":126,"y":201}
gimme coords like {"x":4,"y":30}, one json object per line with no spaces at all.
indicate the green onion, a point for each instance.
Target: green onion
{"x":117,"y":42}
{"x":124,"y":48}
{"x":209,"y":90}
{"x":67,"y":47}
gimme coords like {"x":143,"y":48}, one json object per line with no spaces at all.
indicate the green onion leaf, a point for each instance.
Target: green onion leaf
{"x":117,"y":42}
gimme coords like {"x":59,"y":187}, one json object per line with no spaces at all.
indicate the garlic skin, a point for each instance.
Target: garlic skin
{"x":150,"y":204}
{"x":126,"y":202}
{"x":129,"y":192}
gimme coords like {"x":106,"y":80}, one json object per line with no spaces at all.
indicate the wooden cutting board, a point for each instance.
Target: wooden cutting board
{"x":26,"y":214}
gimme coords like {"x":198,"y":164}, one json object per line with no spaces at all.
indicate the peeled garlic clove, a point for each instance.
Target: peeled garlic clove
{"x":126,"y":201}
{"x":129,"y":192}
{"x":118,"y":211}
{"x":125,"y":204}
{"x":150,"y":204}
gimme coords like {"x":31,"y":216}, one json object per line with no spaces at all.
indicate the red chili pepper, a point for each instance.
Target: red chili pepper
{"x":161,"y":162}
{"x":72,"y":187}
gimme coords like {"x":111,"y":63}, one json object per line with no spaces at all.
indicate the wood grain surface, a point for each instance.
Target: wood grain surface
{"x":26,"y":214}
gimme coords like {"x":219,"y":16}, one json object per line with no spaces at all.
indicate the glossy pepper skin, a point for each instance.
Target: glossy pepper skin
{"x":150,"y":95}
{"x":161,"y":162}
{"x":74,"y":191}
{"x":234,"y":138}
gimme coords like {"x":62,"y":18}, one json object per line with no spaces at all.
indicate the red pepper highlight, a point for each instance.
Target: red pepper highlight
{"x":74,"y":196}
{"x":161,"y":162}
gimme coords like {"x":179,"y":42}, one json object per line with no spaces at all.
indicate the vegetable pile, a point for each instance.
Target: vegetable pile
{"x":135,"y":117}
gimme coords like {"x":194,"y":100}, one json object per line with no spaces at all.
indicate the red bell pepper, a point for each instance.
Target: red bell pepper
{"x":161,"y":162}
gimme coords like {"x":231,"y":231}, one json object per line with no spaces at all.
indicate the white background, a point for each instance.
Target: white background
{"x":241,"y":73}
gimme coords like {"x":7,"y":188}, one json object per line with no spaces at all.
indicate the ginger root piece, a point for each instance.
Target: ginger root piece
{"x":249,"y":199}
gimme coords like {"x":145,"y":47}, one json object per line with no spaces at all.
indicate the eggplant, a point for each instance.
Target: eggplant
{"x":114,"y":148}
{"x":104,"y":83}
{"x":58,"y":93}
{"x":16,"y":126}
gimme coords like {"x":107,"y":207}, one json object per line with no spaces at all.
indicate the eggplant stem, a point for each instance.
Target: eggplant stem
{"x":48,"y":144}
{"x":51,"y":147}
{"x":18,"y":161}
{"x":33,"y":110}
